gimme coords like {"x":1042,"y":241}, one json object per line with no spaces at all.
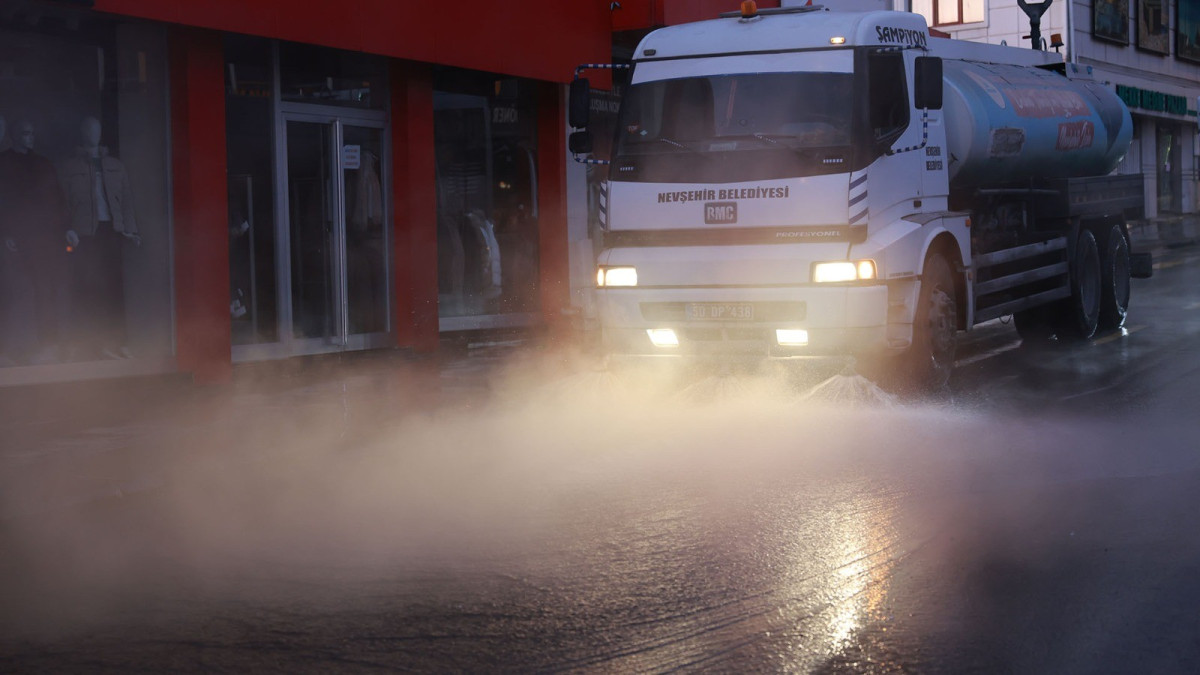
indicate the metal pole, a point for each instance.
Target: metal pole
{"x":1035,"y":11}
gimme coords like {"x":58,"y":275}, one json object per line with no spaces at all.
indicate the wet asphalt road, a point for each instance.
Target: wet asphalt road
{"x":1040,"y":516}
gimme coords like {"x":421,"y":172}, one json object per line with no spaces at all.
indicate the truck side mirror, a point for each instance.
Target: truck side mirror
{"x":579,"y":103}
{"x":927,"y":83}
{"x":580,"y":142}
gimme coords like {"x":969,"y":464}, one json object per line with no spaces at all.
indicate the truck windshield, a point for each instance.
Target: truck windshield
{"x":723,"y":128}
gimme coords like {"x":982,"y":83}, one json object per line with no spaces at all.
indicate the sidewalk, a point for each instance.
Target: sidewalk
{"x":67,"y":445}
{"x":1158,"y":233}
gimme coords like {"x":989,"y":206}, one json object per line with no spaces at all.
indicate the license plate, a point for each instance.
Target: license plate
{"x":720,"y":311}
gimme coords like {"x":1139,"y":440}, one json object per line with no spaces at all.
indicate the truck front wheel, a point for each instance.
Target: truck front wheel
{"x":1080,"y":313}
{"x":928,"y":362}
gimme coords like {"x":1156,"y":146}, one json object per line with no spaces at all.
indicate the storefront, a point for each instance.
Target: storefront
{"x":1164,"y":146}
{"x":308,"y":154}
{"x":189,"y":185}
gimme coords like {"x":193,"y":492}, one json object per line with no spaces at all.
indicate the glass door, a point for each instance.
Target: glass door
{"x":312,"y":232}
{"x":335,"y":209}
{"x":365,"y":235}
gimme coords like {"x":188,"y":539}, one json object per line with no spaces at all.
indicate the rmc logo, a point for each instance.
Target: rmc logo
{"x":720,"y":212}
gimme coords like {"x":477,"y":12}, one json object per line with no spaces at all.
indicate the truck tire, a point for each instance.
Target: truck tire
{"x":1114,"y":279}
{"x":1079,"y":314}
{"x":927,"y":364}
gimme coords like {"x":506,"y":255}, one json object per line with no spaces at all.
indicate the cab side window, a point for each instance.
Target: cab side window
{"x":887,"y":95}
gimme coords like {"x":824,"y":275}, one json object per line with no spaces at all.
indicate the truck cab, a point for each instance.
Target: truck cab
{"x":780,"y":187}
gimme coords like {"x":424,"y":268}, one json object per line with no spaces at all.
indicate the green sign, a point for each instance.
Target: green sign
{"x":1153,"y":100}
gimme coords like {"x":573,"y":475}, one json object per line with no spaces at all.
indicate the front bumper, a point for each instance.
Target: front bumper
{"x":840,"y":320}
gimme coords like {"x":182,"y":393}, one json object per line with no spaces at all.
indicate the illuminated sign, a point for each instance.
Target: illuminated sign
{"x":1153,"y":100}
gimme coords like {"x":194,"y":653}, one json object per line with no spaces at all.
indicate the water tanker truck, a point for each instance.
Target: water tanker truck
{"x":800,"y":182}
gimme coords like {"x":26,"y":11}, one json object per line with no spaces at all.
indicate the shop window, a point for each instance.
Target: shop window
{"x":84,"y":187}
{"x":1168,"y":169}
{"x":249,"y":132}
{"x":311,"y":74}
{"x":485,"y":135}
{"x":951,"y":12}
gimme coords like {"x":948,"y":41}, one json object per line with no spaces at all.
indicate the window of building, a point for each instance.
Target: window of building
{"x":312,"y":74}
{"x":1169,"y":172}
{"x":951,"y":12}
{"x":485,"y":136}
{"x":249,"y":151}
{"x":85,"y":234}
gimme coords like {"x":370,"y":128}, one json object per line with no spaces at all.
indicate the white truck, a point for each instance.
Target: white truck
{"x":801,"y":182}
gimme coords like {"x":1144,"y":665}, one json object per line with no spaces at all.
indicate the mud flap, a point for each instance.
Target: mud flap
{"x":1141,"y":265}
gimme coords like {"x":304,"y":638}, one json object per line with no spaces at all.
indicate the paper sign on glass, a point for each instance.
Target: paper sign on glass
{"x":351,"y":156}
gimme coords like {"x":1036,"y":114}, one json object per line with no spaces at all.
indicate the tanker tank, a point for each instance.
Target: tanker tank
{"x":1009,"y":124}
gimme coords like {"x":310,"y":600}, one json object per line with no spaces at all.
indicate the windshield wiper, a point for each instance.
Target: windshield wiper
{"x":796,"y":146}
{"x":771,"y":138}
{"x":681,"y":146}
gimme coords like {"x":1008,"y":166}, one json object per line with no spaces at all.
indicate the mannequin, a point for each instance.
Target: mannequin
{"x":34,"y":265}
{"x":97,"y":188}
{"x":101,"y":216}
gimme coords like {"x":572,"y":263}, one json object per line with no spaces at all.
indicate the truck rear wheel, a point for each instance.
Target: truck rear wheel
{"x":1114,"y":279}
{"x":1079,"y":314}
{"x":928,"y":362}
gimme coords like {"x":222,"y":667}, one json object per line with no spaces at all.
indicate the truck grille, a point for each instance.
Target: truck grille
{"x":763,"y":311}
{"x":725,"y":334}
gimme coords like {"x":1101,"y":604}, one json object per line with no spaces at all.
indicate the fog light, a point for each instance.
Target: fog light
{"x":663,"y":337}
{"x":616,"y":276}
{"x":791,"y":337}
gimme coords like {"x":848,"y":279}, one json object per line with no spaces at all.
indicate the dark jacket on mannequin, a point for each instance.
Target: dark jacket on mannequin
{"x":34,"y":215}
{"x":78,"y":184}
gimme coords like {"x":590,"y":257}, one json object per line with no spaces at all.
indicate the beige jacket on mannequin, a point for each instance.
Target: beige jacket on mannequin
{"x":78,"y":185}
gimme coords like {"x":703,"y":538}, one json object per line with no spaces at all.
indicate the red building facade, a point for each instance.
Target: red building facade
{"x":187,"y":185}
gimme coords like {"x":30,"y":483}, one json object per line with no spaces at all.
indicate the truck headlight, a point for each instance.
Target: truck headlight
{"x":843,"y":271}
{"x":616,"y":276}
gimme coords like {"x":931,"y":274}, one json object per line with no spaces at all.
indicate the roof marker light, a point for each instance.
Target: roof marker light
{"x":839,"y":40}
